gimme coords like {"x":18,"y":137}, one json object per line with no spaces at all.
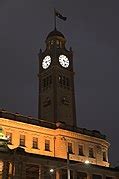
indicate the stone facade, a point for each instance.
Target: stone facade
{"x":59,"y":138}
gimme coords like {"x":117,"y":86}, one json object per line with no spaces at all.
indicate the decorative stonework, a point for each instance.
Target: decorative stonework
{"x":58,"y":145}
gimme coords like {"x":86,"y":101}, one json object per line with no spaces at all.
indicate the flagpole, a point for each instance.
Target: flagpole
{"x":54,"y":19}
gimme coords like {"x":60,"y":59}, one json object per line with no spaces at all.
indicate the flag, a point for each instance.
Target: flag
{"x":60,"y":15}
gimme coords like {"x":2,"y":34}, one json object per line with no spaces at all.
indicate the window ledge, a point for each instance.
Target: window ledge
{"x":47,"y":150}
{"x":81,"y":155}
{"x":92,"y":157}
{"x":22,"y":146}
{"x":35,"y":148}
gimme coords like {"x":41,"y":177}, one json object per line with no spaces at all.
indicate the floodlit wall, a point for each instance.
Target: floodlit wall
{"x":54,"y":142}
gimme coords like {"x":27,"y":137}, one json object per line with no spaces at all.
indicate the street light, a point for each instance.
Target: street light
{"x":87,"y":162}
{"x":51,"y":170}
{"x":68,"y":169}
{"x":68,"y":163}
{"x":46,"y":172}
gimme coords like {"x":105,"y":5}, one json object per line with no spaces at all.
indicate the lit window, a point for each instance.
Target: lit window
{"x":91,"y":152}
{"x":35,"y":142}
{"x":60,"y":79}
{"x":22,"y":140}
{"x":80,"y":150}
{"x":70,"y":151}
{"x":52,"y":42}
{"x":104,"y":157}
{"x":9,"y":136}
{"x":57,"y":42}
{"x":47,"y":145}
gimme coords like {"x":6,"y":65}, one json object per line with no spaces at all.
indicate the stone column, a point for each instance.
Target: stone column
{"x":39,"y":177}
{"x":1,"y":169}
{"x":89,"y":176}
{"x":13,"y":170}
{"x":58,"y":174}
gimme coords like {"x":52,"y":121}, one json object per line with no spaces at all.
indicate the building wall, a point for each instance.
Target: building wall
{"x":59,"y":139}
{"x":64,"y":137}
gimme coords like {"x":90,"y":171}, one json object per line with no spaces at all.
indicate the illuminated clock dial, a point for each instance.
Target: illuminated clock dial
{"x":46,"y":62}
{"x":64,"y":61}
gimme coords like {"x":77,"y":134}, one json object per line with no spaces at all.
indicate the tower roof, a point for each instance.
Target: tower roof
{"x":55,"y":33}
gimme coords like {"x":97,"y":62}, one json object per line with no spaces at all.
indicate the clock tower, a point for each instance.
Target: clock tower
{"x":56,"y":81}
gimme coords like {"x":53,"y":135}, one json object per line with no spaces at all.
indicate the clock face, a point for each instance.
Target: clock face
{"x":64,"y":61}
{"x":46,"y":62}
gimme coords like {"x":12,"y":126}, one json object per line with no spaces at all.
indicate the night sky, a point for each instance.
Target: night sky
{"x":92,"y":30}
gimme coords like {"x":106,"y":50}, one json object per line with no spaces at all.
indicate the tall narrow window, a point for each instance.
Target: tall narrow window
{"x":57,"y":42}
{"x":80,"y":148}
{"x":50,"y":79}
{"x":47,"y":81}
{"x":44,"y":82}
{"x":35,"y":142}
{"x":9,"y":136}
{"x":91,"y":152}
{"x":67,"y":82}
{"x":52,"y":42}
{"x":70,"y":150}
{"x":104,"y":157}
{"x":63,"y":80}
{"x":60,"y":79}
{"x":47,"y":145}
{"x":22,"y":140}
